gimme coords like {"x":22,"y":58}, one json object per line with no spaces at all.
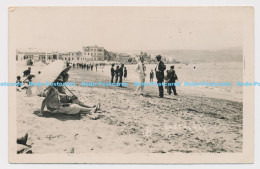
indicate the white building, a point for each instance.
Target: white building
{"x":36,"y":54}
{"x":93,"y":53}
{"x":88,"y":53}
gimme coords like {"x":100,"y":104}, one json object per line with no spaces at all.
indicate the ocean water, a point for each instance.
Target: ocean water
{"x":205,"y":72}
{"x":231,"y":72}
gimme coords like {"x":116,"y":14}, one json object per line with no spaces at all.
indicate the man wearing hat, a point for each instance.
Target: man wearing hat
{"x":159,"y":70}
{"x":172,"y":78}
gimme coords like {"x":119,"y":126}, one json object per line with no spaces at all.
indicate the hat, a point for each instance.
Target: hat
{"x":158,"y":56}
{"x":172,"y":67}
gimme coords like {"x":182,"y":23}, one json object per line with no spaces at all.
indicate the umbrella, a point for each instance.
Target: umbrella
{"x":48,"y":75}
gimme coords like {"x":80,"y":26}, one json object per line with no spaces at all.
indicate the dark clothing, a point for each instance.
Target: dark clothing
{"x":112,"y":74}
{"x":172,"y":88}
{"x":160,"y":86}
{"x":151,"y":74}
{"x":171,"y":75}
{"x":120,"y":74}
{"x":19,"y":83}
{"x":160,"y":76}
{"x":125,"y":73}
{"x":26,"y":73}
{"x":116,"y":74}
{"x":160,"y":70}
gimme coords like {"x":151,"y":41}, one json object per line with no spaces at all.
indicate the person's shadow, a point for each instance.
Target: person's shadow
{"x":59,"y":116}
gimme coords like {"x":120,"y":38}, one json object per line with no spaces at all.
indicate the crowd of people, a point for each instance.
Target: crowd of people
{"x":57,"y":101}
{"x":169,"y":78}
{"x":118,"y":74}
{"x":88,"y":66}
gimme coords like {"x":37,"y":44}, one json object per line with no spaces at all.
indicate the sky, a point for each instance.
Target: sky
{"x":126,"y":28}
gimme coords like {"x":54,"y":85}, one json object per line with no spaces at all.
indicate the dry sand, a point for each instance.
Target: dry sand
{"x":130,"y":123}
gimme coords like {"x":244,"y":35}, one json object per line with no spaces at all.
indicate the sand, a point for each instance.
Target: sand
{"x":129,"y":123}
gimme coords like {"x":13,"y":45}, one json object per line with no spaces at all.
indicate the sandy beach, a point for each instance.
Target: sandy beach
{"x":129,"y":123}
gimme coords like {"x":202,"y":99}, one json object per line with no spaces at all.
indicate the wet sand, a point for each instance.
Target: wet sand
{"x":130,"y":123}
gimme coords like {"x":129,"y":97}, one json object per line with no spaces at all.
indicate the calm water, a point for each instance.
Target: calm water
{"x":231,"y":72}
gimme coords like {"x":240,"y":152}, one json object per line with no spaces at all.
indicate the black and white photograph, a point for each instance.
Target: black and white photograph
{"x":131,"y":81}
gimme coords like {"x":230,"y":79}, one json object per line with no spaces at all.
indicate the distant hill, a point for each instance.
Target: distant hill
{"x":198,"y":56}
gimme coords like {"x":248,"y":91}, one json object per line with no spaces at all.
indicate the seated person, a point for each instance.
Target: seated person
{"x":54,"y":105}
{"x":19,"y":83}
{"x":64,"y":77}
{"x":27,"y":72}
{"x":27,"y":86}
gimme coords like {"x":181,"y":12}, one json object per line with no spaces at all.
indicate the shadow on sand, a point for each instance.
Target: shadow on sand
{"x":62,"y":117}
{"x":156,"y":96}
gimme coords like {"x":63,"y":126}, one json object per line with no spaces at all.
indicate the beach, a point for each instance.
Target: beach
{"x":196,"y":121}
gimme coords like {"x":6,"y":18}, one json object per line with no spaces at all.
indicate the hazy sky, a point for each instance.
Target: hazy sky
{"x":126,"y":28}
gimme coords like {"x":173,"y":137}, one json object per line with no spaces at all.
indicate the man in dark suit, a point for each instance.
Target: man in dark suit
{"x":121,"y":73}
{"x":160,"y":74}
{"x":112,"y":73}
{"x":172,"y":78}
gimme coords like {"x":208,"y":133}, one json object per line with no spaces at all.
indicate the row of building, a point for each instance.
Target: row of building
{"x":88,"y":53}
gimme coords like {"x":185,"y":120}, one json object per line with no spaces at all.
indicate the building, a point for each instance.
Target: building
{"x":89,"y":53}
{"x":36,"y":55}
{"x":123,"y":57}
{"x":73,"y":57}
{"x":93,"y":53}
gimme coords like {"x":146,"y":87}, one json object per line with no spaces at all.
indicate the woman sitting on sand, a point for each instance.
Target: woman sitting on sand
{"x":54,"y":105}
{"x":62,"y":78}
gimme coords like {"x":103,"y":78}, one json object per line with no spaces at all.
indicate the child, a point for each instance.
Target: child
{"x":18,"y":83}
{"x":28,"y":87}
{"x":167,"y":79}
{"x":125,"y":73}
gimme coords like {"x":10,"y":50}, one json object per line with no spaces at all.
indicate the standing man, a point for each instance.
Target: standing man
{"x":116,"y":73}
{"x":172,"y":78}
{"x":160,"y":74}
{"x":112,"y":72}
{"x":121,"y":73}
